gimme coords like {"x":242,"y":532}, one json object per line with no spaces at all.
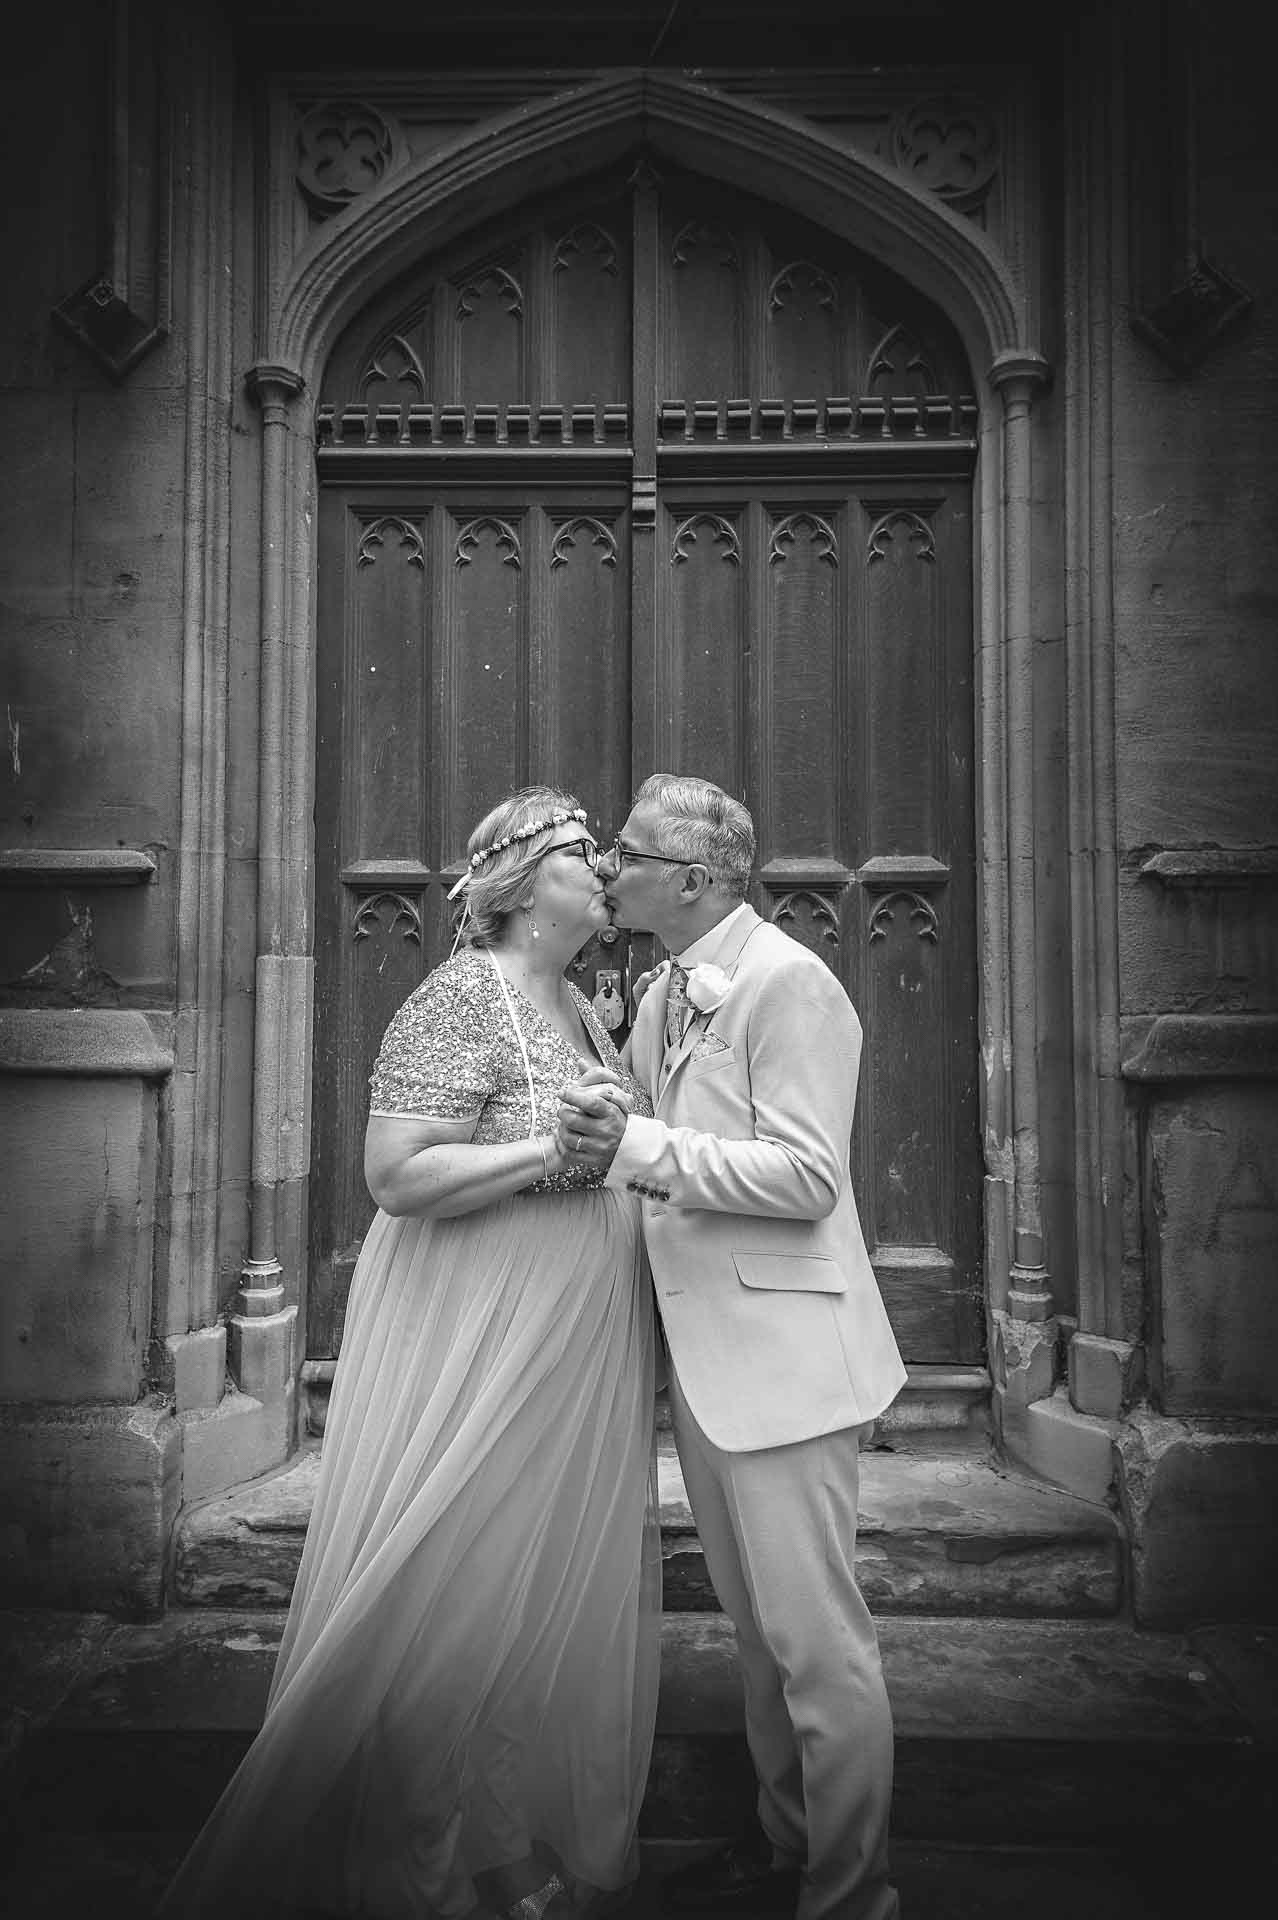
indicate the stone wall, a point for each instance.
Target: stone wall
{"x":1196,"y":619}
{"x":94,"y":384}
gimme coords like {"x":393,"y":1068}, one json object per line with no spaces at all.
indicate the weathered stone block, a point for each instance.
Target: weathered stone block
{"x":1210,"y":1175}
{"x":199,"y":1368}
{"x":262,"y":1353}
{"x":1202,"y":1511}
{"x":76,"y":1243}
{"x":1104,"y":1375}
{"x":232,"y":1442}
{"x":1023,"y":1359}
{"x":1069,"y":1448}
{"x":89,"y":1496}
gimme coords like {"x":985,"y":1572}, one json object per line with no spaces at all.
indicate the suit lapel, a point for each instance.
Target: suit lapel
{"x":696,"y":1029}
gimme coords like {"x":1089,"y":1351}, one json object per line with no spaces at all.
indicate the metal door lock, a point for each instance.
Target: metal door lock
{"x":608,"y":1003}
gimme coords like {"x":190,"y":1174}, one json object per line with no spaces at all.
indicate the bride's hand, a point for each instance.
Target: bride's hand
{"x":640,"y":987}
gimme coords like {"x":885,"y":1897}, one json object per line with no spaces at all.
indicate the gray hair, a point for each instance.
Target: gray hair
{"x":504,"y":883}
{"x":703,"y":825}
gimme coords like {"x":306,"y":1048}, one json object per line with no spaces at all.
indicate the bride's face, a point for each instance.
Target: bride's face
{"x":568,"y":898}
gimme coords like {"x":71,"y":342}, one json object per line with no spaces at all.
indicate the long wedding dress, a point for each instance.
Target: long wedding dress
{"x":468,"y":1675}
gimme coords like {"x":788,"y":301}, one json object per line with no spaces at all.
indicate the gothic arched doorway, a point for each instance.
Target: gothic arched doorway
{"x":657,"y":475}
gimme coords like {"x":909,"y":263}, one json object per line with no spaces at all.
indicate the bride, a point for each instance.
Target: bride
{"x":461,"y":1717}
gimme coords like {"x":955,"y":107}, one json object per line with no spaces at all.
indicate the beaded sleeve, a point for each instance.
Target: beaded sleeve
{"x":439,"y":1058}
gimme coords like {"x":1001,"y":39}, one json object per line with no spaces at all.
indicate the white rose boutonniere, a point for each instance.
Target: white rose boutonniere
{"x":708,"y":987}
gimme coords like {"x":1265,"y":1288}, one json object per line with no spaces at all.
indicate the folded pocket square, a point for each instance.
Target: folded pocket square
{"x":709,"y":1043}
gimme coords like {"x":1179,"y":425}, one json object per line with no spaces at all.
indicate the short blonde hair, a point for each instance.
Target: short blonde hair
{"x":703,"y":825}
{"x":504,"y":883}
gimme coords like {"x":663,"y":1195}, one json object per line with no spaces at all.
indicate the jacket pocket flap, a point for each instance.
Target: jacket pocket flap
{"x":790,"y":1272}
{"x":711,"y":1059}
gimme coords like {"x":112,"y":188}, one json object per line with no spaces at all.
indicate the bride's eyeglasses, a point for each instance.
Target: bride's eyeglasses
{"x":582,"y":849}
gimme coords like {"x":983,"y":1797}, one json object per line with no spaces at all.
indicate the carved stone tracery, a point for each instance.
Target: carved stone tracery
{"x":699,"y":236}
{"x":948,"y":143}
{"x":345,"y":148}
{"x":900,"y":360}
{"x":381,"y":365}
{"x":802,"y":274}
{"x":912,"y":525}
{"x":921,"y":911}
{"x":784,"y":532}
{"x":374,"y":537}
{"x":587,"y":237}
{"x":804,"y":911}
{"x":502,"y":282}
{"x":468,"y":540}
{"x":725,"y":535}
{"x":600,"y":536}
{"x":368,"y":915}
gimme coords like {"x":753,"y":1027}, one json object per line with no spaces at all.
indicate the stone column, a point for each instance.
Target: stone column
{"x":1026,"y":1330}
{"x":1105,"y":1363}
{"x":262,"y":1326}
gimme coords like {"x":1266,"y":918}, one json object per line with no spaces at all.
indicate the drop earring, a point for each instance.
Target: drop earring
{"x":534,"y":931}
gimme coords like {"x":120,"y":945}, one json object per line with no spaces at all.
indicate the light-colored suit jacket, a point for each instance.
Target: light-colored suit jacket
{"x":770,"y":1305}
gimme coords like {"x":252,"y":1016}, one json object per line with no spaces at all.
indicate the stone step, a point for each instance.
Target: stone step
{"x":943,"y":1531}
{"x":944,"y":1401}
{"x":1008,"y":1732}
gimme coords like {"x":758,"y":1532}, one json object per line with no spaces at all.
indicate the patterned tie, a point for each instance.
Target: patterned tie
{"x":676,"y":1004}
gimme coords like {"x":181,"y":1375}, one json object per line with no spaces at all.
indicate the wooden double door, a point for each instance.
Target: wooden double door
{"x":659,"y":477}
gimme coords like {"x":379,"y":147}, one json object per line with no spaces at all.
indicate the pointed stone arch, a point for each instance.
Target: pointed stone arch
{"x":420,"y":209}
{"x":537,"y":147}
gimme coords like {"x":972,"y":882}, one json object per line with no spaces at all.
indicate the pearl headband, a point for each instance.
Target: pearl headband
{"x":559,"y":818}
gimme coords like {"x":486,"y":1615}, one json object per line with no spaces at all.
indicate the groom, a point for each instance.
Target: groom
{"x":780,"y":1348}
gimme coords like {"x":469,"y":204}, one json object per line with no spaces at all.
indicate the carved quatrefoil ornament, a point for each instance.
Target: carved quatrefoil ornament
{"x":344,"y":149}
{"x":949,"y":143}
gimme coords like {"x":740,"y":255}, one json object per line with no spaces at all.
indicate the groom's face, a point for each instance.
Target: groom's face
{"x":641,"y":892}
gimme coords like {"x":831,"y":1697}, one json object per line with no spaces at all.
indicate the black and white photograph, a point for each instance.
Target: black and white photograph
{"x":639,"y":961}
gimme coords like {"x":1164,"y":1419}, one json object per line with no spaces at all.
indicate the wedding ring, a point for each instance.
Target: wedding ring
{"x":577,"y":1147}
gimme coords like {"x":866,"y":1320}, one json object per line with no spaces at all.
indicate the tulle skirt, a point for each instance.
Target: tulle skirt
{"x":468,"y":1675}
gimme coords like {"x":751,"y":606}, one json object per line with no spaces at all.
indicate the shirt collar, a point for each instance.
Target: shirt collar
{"x":711,"y":943}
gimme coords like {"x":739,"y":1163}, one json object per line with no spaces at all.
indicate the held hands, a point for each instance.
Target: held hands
{"x":592,"y":1118}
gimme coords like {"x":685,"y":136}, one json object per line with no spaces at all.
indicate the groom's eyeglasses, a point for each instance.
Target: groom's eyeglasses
{"x":619,"y":853}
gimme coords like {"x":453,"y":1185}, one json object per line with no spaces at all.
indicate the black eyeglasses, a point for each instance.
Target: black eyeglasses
{"x":583,"y":849}
{"x":664,"y":859}
{"x":619,"y":853}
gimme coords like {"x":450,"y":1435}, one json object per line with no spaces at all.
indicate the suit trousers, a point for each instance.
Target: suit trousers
{"x":778,"y":1528}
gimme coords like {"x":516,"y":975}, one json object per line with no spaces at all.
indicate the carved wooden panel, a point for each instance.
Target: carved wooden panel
{"x":382,"y":724}
{"x":706,"y":342}
{"x":530,"y":317}
{"x":917,"y":929}
{"x":777,"y":327}
{"x":700,"y":635}
{"x":800,"y":684}
{"x":902,"y":588}
{"x":580,"y":717}
{"x":767,"y":328}
{"x":589,"y":312}
{"x":819,"y":663}
{"x":468,"y":643}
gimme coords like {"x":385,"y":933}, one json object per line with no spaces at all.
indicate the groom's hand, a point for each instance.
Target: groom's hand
{"x":592,"y":1118}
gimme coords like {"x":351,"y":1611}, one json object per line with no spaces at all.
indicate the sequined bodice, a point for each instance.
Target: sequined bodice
{"x":451,"y":1053}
